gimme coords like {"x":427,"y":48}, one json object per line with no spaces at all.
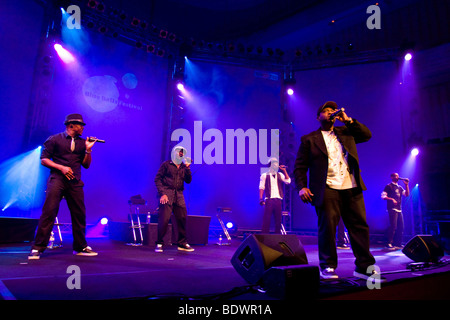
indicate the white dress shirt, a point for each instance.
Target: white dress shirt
{"x":338,"y":175}
{"x":274,"y":193}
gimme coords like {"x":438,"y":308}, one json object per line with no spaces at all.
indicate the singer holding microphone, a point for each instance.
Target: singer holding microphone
{"x":271,"y":183}
{"x":64,"y":154}
{"x":393,"y":193}
{"x":335,"y":187}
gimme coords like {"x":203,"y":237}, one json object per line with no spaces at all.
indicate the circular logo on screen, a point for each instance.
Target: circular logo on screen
{"x":101,"y":93}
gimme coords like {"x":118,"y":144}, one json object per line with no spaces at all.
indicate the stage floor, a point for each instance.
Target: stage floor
{"x":128,"y":272}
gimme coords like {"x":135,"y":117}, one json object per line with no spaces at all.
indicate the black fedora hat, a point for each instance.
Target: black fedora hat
{"x":74,"y":118}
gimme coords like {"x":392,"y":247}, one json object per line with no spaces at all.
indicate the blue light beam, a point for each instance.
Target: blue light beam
{"x":22,"y":181}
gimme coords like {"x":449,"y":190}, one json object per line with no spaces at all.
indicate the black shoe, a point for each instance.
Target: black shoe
{"x":34,"y":255}
{"x":374,"y":276}
{"x":87,"y":252}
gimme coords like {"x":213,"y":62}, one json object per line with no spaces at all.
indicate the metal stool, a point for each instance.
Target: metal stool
{"x":286,"y":219}
{"x":224,"y":228}
{"x":51,"y":243}
{"x":135,"y":202}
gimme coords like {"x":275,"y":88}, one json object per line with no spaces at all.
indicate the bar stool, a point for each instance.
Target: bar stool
{"x":135,"y":202}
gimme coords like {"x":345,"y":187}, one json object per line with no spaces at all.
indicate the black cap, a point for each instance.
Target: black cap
{"x":328,"y":104}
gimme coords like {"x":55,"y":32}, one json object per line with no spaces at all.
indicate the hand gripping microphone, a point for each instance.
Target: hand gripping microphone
{"x":91,"y":139}
{"x":336,"y":113}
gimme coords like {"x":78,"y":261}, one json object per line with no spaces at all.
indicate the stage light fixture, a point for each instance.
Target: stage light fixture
{"x":135,"y":22}
{"x":408,"y":56}
{"x":151,"y":48}
{"x":414,"y":152}
{"x":290,"y":91}
{"x":231,"y":227}
{"x":103,"y":29}
{"x":160,"y":52}
{"x":163,"y":34}
{"x":180,"y":86}
{"x":92,"y":4}
{"x":104,"y":221}
{"x":63,"y":54}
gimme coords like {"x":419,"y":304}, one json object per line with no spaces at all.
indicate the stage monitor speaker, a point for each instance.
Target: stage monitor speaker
{"x":292,"y":282}
{"x":423,"y":248}
{"x":259,"y":252}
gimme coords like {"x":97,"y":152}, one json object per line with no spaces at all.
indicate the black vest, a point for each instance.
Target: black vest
{"x":267,"y":185}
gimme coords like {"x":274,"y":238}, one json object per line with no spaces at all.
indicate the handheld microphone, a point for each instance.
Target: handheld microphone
{"x":404,"y":179}
{"x":96,"y":140}
{"x":336,"y":113}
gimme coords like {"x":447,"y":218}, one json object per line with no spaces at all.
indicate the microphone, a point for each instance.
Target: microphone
{"x":336,"y":113}
{"x":91,"y":139}
{"x":403,"y":179}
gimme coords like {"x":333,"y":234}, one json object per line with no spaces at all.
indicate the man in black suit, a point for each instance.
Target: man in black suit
{"x":335,"y":187}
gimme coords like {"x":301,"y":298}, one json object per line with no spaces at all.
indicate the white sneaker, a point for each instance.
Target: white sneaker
{"x":87,"y":252}
{"x":328,"y":273}
{"x":159,"y":248}
{"x":185,"y":247}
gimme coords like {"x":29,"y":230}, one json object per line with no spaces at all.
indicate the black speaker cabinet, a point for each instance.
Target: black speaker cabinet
{"x":292,"y":282}
{"x":423,"y":248}
{"x":259,"y":252}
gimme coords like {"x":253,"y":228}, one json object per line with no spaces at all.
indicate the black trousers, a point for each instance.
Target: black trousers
{"x":57,"y":187}
{"x":178,"y":207}
{"x":395,"y":230}
{"x":348,"y":204}
{"x":272,"y":208}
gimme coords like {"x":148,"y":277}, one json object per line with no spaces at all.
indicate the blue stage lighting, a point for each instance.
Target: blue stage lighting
{"x":22,"y":181}
{"x":414,"y":152}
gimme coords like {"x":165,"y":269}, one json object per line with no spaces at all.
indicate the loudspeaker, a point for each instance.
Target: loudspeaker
{"x":288,"y":282}
{"x":259,"y":252}
{"x":423,"y":248}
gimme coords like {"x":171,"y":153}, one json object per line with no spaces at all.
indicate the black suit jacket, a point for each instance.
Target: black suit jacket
{"x":312,"y":156}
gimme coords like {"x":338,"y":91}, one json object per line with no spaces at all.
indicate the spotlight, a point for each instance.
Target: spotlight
{"x":104,"y":221}
{"x":414,"y":152}
{"x":63,"y":54}
{"x":408,"y":56}
{"x":231,"y":227}
{"x":290,"y":91}
{"x":180,"y":86}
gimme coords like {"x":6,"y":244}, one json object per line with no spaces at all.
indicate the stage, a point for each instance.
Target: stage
{"x":124,"y":272}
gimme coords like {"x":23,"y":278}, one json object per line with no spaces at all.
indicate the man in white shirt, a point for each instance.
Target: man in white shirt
{"x":271,"y":183}
{"x":335,"y":187}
